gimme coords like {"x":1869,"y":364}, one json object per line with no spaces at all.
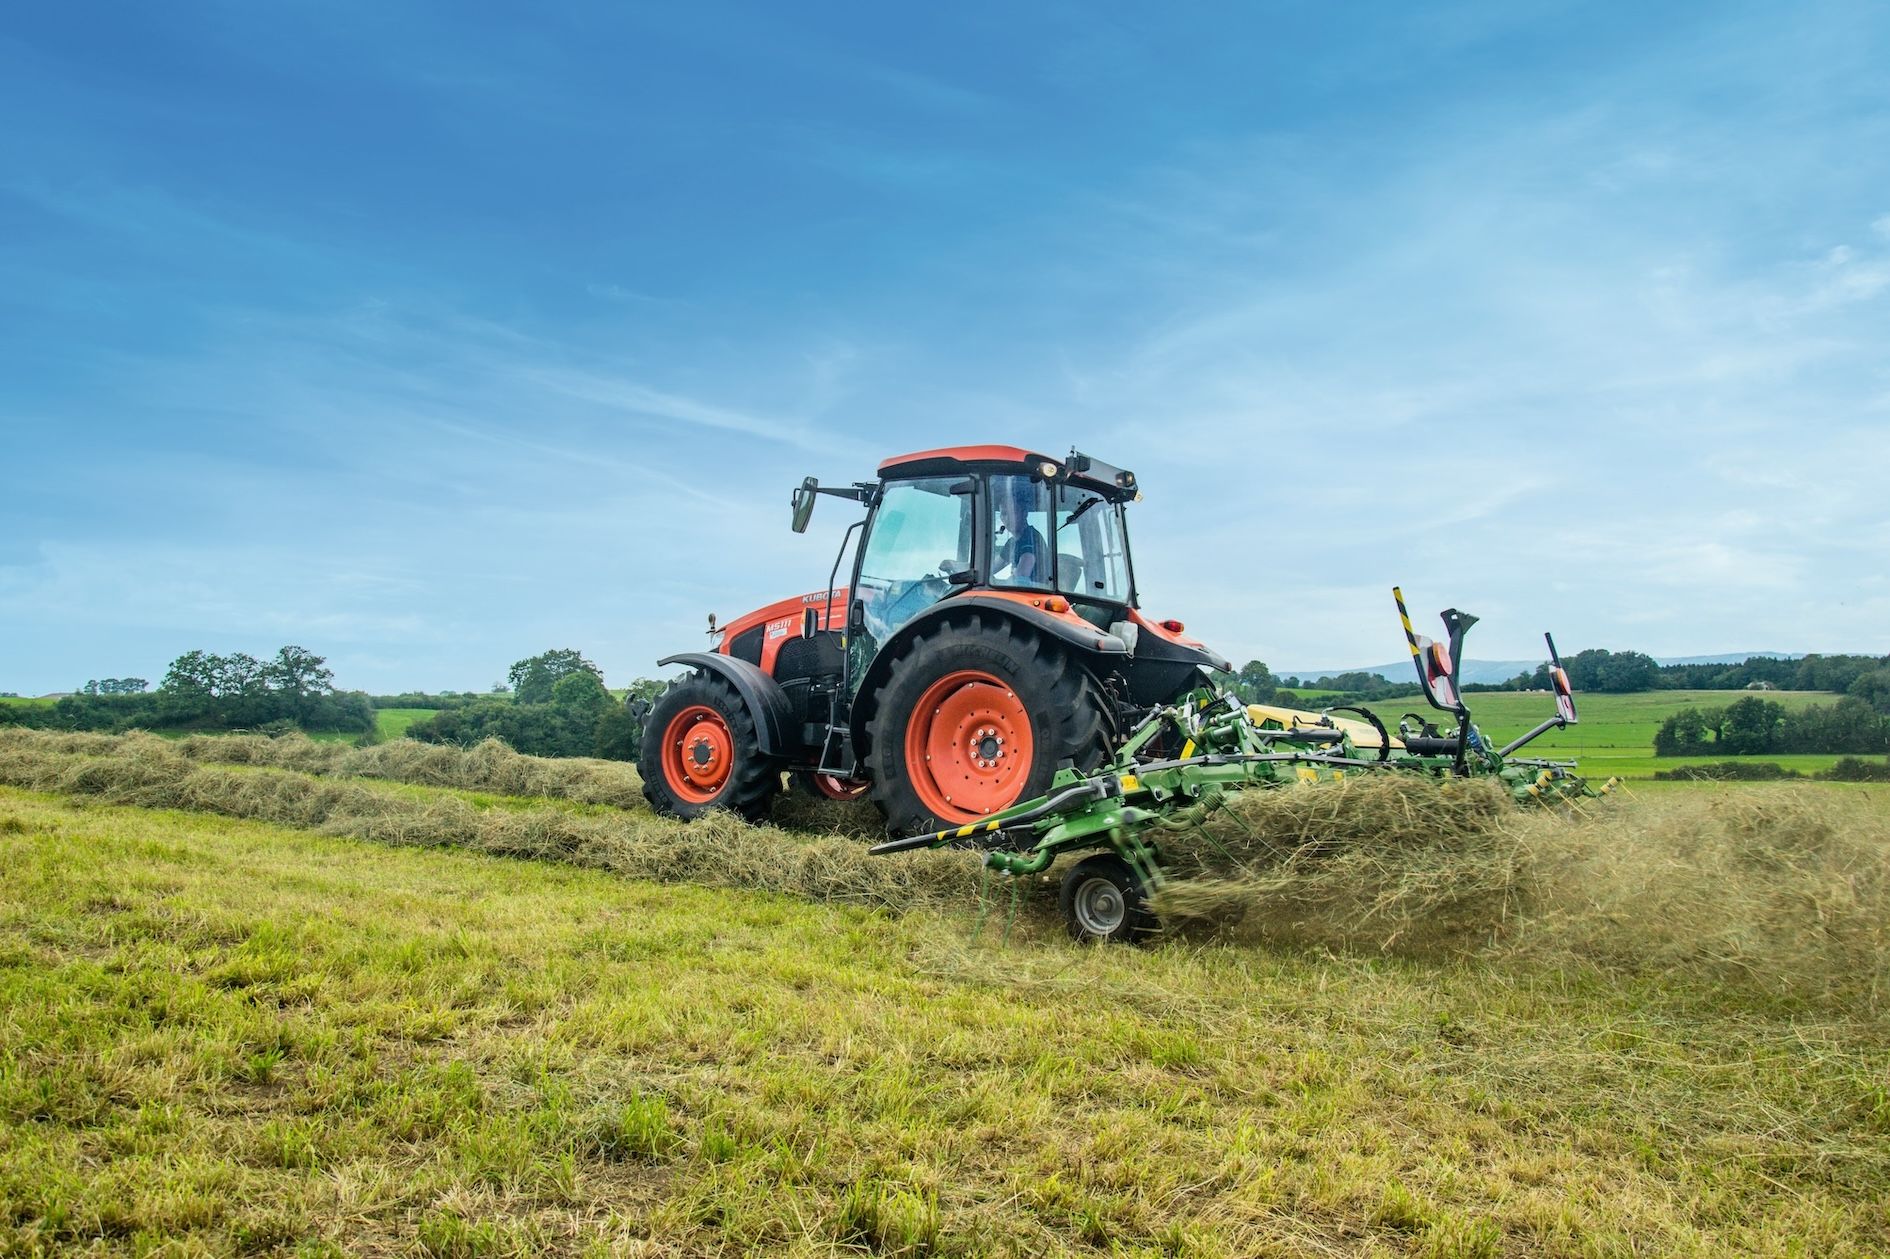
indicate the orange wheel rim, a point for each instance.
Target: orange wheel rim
{"x":698,"y":753}
{"x":835,"y":787}
{"x":968,"y":746}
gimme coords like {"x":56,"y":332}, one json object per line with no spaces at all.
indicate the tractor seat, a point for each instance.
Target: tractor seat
{"x":1069,"y":572}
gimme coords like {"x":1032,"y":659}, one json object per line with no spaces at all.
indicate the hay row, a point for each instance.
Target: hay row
{"x":489,"y":766}
{"x":1782,"y":890}
{"x":718,"y":851}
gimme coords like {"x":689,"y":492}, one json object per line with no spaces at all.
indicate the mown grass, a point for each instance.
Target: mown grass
{"x":226,"y":1037}
{"x":1784,"y":891}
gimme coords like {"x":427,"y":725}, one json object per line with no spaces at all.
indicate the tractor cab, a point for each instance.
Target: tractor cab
{"x":992,"y":519}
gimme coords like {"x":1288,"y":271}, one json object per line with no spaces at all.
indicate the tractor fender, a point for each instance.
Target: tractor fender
{"x":1066,"y":628}
{"x":775,"y":726}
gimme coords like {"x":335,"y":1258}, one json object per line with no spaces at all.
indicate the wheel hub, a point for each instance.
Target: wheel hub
{"x":1100,"y":906}
{"x":968,"y":746}
{"x":698,"y":752}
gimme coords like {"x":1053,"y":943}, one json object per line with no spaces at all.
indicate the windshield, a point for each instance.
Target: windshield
{"x":920,"y":533}
{"x":1092,"y":546}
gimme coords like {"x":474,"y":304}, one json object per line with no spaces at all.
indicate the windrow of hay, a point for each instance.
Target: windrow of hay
{"x":489,"y":766}
{"x":719,"y":851}
{"x":1386,"y":862}
{"x":1784,"y":890}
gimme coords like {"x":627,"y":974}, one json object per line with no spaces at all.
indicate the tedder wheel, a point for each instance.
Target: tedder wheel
{"x":1102,"y":900}
{"x":976,"y":715}
{"x":700,"y":753}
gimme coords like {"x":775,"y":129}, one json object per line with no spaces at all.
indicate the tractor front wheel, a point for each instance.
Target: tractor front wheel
{"x":700,"y":753}
{"x":1104,"y":902}
{"x":976,"y":716}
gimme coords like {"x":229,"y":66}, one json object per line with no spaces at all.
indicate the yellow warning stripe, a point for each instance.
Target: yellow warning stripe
{"x":1410,"y":634}
{"x":1187,"y":749}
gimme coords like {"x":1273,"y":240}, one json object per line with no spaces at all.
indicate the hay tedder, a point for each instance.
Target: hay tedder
{"x":987,"y":678}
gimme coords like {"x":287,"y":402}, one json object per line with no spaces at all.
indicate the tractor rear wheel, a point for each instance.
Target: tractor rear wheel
{"x":700,"y":753}
{"x":976,"y":716}
{"x":1103,"y":902}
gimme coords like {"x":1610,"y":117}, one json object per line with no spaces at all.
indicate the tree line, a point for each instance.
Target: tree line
{"x":294,"y":689}
{"x":1598,"y":669}
{"x":1753,"y":726}
{"x":553,"y":704}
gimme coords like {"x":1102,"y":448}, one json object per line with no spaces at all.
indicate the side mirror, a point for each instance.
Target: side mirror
{"x":804,"y":504}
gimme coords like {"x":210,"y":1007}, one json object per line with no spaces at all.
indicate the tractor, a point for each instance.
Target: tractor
{"x":986,"y":677}
{"x":987,"y":634}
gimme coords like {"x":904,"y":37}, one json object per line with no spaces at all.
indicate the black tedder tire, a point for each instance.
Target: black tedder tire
{"x":1103,"y":902}
{"x":975,"y":716}
{"x":700,"y":753}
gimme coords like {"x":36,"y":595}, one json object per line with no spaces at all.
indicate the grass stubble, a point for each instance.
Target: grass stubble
{"x":1648,"y":1027}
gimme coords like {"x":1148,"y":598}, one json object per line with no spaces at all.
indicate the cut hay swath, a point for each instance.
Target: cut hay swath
{"x":1780,"y":891}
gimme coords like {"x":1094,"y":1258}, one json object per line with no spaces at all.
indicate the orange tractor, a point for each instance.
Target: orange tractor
{"x":987,"y":635}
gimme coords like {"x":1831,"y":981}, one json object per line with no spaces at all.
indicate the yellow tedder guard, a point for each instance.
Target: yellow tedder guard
{"x":1266,"y":716}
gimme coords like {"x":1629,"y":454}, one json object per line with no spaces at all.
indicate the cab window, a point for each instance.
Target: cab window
{"x":1092,"y":546}
{"x":921,"y":533}
{"x":1020,"y":529}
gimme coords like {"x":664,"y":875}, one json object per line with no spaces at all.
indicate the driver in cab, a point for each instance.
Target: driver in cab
{"x":1020,"y":557}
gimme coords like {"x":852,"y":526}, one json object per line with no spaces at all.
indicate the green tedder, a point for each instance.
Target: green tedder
{"x":1185,"y":759}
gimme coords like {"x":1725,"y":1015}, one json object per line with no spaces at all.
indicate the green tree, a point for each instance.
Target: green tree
{"x":1752,"y":725}
{"x":1255,"y":682}
{"x":1873,"y":688}
{"x":299,"y":674}
{"x":1625,"y":671}
{"x":1682,"y":734}
{"x":580,"y":692}
{"x":195,"y":673}
{"x":532,"y":678}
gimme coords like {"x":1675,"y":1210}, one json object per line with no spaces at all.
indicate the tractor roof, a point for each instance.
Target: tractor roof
{"x":1083,"y":470}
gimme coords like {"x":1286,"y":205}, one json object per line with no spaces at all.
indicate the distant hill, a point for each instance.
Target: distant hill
{"x":1490,"y":671}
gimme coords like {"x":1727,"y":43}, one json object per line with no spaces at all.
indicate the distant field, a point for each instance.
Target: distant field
{"x":392,"y":723}
{"x":28,"y":701}
{"x":1616,"y":732}
{"x":389,"y":723}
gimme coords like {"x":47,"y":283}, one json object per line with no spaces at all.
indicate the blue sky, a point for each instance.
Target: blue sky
{"x":430,"y":337}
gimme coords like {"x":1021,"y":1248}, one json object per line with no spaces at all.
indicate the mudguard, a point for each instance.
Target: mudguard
{"x":775,"y":725}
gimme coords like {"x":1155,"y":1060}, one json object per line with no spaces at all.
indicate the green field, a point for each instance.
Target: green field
{"x":1616,"y":733}
{"x":389,"y":723}
{"x":392,"y":723}
{"x":227,"y":1036}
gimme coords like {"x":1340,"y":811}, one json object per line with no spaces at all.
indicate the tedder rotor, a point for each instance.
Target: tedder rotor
{"x":985,"y":675}
{"x":1120,"y":810}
